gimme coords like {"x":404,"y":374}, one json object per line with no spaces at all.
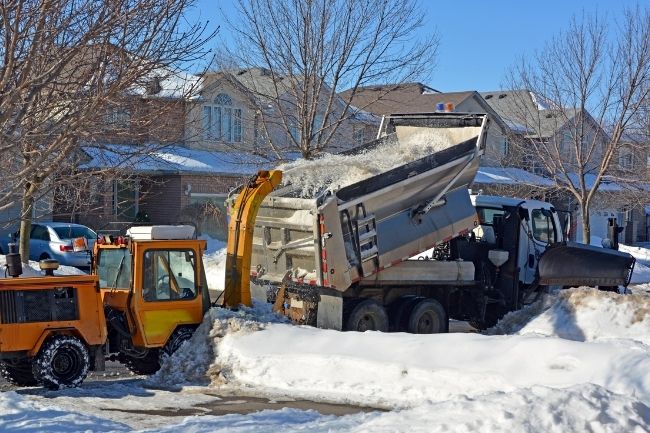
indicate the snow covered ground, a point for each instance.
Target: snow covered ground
{"x":578,"y":360}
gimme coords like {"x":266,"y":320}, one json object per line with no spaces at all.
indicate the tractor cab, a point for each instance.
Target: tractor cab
{"x":152,"y":283}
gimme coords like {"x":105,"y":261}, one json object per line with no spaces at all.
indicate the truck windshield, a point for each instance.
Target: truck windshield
{"x":114,"y":268}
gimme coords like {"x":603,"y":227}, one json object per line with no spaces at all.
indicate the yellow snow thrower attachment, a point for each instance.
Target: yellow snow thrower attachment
{"x":240,"y":236}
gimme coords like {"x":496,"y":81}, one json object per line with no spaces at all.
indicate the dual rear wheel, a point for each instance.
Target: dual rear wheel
{"x":412,"y":314}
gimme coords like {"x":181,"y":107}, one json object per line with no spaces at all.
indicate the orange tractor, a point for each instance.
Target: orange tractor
{"x":146,"y":296}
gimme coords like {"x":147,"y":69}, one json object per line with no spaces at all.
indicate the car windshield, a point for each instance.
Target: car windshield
{"x":73,"y":232}
{"x":114,"y":268}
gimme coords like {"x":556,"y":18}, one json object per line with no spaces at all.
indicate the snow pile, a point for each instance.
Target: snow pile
{"x":332,"y":172}
{"x":214,"y":261}
{"x":33,"y":270}
{"x":400,"y":370}
{"x":215,"y":268}
{"x":586,"y":314}
{"x":197,"y":359}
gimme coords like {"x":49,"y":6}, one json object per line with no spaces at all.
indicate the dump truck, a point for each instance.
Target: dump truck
{"x":146,"y":295}
{"x":341,"y":258}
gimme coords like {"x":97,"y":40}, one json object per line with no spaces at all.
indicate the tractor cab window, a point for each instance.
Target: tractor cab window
{"x":114,"y":268}
{"x":544,"y":226}
{"x":169,"y":275}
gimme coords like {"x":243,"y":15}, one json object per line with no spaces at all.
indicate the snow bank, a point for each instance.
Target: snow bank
{"x":33,"y":269}
{"x":192,"y":363}
{"x":244,"y":351}
{"x":332,"y":172}
{"x":586,"y":314}
{"x":215,"y":268}
{"x":400,"y":370}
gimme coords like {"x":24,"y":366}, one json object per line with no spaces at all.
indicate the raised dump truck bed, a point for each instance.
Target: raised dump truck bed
{"x":344,"y":235}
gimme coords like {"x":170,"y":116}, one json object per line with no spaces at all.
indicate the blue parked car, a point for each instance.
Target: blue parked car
{"x":53,"y":240}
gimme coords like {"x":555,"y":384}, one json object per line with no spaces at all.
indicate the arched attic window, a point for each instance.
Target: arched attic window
{"x":222,"y":121}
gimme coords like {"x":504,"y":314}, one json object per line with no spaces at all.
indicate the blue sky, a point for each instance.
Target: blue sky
{"x":479,"y":40}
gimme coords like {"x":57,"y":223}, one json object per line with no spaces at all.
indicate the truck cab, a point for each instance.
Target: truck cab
{"x":539,"y":227}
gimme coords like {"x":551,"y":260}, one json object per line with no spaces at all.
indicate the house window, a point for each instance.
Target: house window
{"x":117,"y":117}
{"x":504,"y":147}
{"x":222,"y":121}
{"x":358,"y":135}
{"x":625,"y":159}
{"x":125,"y":198}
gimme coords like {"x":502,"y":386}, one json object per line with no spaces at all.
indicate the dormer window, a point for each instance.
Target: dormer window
{"x":222,"y":121}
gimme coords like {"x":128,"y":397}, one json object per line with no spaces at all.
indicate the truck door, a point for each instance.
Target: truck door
{"x":169,"y":294}
{"x":542,"y":232}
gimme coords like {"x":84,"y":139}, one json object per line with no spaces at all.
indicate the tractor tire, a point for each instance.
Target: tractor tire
{"x":176,"y":340}
{"x":18,"y":373}
{"x":62,"y":362}
{"x":428,"y":316}
{"x":367,"y":315}
{"x":148,"y":364}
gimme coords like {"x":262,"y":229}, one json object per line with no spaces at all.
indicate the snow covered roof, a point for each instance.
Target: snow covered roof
{"x":167,"y":84}
{"x":510,"y":176}
{"x":174,"y":159}
{"x":606,"y":185}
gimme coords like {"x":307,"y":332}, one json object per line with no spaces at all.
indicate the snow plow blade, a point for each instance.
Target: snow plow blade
{"x":573,"y":264}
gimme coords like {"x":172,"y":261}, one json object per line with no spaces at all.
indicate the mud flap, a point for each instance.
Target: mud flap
{"x":573,"y":264}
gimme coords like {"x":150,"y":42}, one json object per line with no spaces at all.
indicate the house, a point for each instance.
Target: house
{"x":419,"y":98}
{"x":178,"y":145}
{"x":535,"y":121}
{"x":135,"y":165}
{"x":254,"y":110}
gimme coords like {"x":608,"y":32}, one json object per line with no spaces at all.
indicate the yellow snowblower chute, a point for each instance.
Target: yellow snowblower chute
{"x":240,"y":236}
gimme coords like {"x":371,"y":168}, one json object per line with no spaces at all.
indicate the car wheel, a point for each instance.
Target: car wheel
{"x":44,"y":256}
{"x":62,"y":362}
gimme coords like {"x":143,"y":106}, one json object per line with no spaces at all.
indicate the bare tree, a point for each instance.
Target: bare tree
{"x":583,"y":92}
{"x":313,"y":49}
{"x":64,"y":62}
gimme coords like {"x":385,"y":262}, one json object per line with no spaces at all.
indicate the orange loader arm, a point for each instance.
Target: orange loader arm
{"x":240,"y":237}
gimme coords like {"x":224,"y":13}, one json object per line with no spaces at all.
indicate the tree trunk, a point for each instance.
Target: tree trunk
{"x":26,"y":213}
{"x":586,"y":228}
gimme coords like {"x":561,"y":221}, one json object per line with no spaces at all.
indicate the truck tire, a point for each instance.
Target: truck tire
{"x":367,"y":315}
{"x":62,"y":362}
{"x":428,"y":316}
{"x":18,"y":373}
{"x":176,"y":340}
{"x":400,"y":310}
{"x":148,"y":364}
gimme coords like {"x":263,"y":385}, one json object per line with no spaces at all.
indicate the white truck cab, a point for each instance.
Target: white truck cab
{"x":540,"y":227}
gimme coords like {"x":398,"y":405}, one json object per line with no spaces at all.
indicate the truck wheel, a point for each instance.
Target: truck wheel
{"x":62,"y":362}
{"x":148,"y":364}
{"x":400,"y":311}
{"x":178,"y":337}
{"x":367,"y":315}
{"x":18,"y":373}
{"x":428,"y":317}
